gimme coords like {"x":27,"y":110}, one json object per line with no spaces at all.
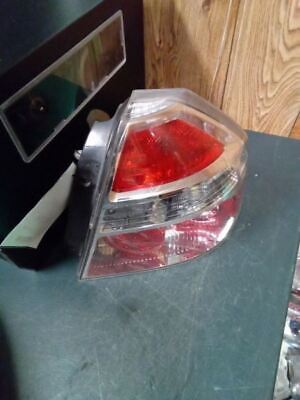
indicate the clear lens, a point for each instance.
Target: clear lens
{"x":175,"y":206}
{"x":160,"y":247}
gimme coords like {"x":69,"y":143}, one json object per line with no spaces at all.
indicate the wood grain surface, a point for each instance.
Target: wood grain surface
{"x":295,"y":134}
{"x":243,"y":55}
{"x":263,"y":86}
{"x":188,"y":43}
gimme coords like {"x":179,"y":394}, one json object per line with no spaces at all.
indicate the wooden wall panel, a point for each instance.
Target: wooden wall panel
{"x":295,"y":134}
{"x":263,"y":86}
{"x":188,"y":43}
{"x":243,"y":55}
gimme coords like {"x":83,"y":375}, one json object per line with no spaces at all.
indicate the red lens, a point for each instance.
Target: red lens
{"x":163,"y":154}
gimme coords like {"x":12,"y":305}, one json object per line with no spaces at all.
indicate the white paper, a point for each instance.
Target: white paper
{"x":30,"y":231}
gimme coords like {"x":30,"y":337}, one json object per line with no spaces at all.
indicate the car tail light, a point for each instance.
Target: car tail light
{"x":159,"y":184}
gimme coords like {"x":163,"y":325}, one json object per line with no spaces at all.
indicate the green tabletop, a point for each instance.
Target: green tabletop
{"x":209,"y":329}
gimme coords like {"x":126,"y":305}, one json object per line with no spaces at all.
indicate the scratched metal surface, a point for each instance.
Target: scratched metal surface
{"x":209,"y":329}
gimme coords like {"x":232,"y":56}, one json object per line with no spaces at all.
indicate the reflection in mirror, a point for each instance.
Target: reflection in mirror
{"x":34,"y":116}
